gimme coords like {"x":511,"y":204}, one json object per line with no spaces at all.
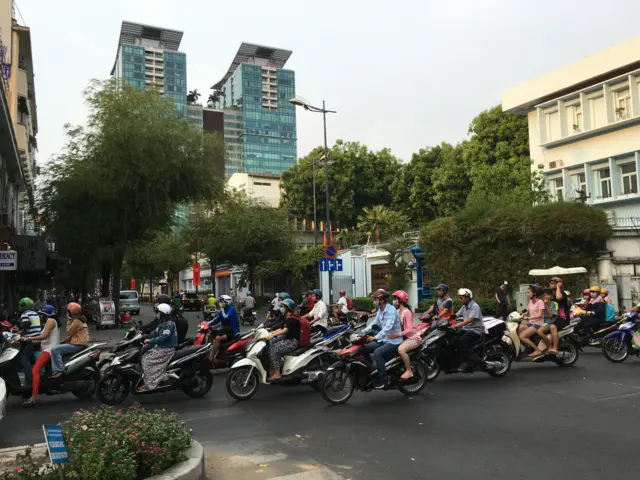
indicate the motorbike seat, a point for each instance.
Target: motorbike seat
{"x":184,"y":352}
{"x":299,"y":350}
{"x":231,"y":341}
{"x":187,"y":341}
{"x":331,"y":330}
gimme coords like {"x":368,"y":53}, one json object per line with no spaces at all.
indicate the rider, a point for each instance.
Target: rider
{"x":412,"y":338}
{"x":30,"y":326}
{"x":275,"y":303}
{"x":249,"y":304}
{"x":472,"y":326}
{"x":550,"y":317}
{"x":318,"y":315}
{"x":211,"y":300}
{"x":228,"y":318}
{"x":77,"y":338}
{"x":181,"y":323}
{"x":381,"y":346}
{"x":291,"y":333}
{"x":595,"y":309}
{"x":443,"y":308}
{"x":177,"y":300}
{"x":342,"y":306}
{"x":535,"y":317}
{"x":605,"y":295}
{"x":48,"y":338}
{"x":158,"y":349}
{"x":307,"y":303}
{"x":560,"y":296}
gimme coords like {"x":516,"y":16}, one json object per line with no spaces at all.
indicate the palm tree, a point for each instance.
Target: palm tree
{"x":347,"y":238}
{"x":372,"y":220}
{"x":214,"y":97}
{"x":193,"y":96}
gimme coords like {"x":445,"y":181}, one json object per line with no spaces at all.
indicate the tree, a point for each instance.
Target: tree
{"x":136,"y":160}
{"x":349,"y":237}
{"x":214,"y":97}
{"x":358,"y":178}
{"x":298,"y":265}
{"x":382,"y":222}
{"x":451,"y":184}
{"x":193,"y":96}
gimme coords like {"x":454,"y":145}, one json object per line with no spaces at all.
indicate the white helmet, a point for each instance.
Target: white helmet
{"x":164,"y":308}
{"x":226,"y":298}
{"x":465,"y":292}
{"x":514,"y":317}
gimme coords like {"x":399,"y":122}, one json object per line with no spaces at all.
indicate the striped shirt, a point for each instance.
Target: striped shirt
{"x":35,"y":327}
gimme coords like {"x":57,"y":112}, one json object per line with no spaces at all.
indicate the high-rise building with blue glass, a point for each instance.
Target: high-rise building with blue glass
{"x":148,"y":57}
{"x":259,"y":121}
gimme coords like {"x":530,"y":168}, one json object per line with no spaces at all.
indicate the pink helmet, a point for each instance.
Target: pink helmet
{"x":401,"y":295}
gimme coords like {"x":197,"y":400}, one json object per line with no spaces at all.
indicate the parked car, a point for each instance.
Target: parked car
{"x":192,"y":302}
{"x":130,"y":301}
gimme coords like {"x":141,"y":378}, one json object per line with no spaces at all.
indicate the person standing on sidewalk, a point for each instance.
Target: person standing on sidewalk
{"x":503,"y":300}
{"x":77,"y":338}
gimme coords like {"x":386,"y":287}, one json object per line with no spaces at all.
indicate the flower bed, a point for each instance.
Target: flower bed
{"x":110,"y":444}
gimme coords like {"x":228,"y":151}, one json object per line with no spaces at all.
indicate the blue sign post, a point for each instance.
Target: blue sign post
{"x":55,"y":444}
{"x":330,"y":265}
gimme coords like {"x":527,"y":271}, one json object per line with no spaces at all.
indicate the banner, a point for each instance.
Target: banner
{"x":132,"y":283}
{"x":8,"y":260}
{"x":196,"y":274}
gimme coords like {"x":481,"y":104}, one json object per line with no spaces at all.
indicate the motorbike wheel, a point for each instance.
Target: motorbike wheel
{"x":92,"y":375}
{"x":113,"y":389}
{"x":498,"y":353}
{"x":572,"y":349}
{"x":337,"y":387}
{"x":204,"y":382}
{"x":236,"y":383}
{"x":432,"y":366}
{"x":615,"y":350}
{"x":414,"y":388}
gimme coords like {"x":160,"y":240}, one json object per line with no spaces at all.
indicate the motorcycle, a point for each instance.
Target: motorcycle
{"x":249,"y":317}
{"x":247,"y":374}
{"x":593,"y":337}
{"x":80,"y":377}
{"x":188,"y":371}
{"x":230,"y":351}
{"x":355,"y":371}
{"x":492,"y":351}
{"x":210,"y":313}
{"x":569,"y":345}
{"x":119,"y":348}
{"x":618,"y":345}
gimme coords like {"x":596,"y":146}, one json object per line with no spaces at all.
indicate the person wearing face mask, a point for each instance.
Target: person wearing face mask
{"x":412,"y":338}
{"x":595,"y":310}
{"x":230,"y":325}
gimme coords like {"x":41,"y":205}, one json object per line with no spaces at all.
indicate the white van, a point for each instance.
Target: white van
{"x":130,"y":301}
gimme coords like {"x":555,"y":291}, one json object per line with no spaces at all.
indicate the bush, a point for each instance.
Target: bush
{"x":364,"y":304}
{"x":27,"y":468}
{"x":107,"y":444}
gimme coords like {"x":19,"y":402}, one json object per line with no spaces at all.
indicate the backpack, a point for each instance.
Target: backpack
{"x":349,"y":302}
{"x":609,"y":312}
{"x":305,"y":332}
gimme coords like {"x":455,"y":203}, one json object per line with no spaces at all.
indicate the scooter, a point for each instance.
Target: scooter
{"x":250,"y":317}
{"x":80,"y":377}
{"x":188,"y":371}
{"x":230,"y":351}
{"x":355,"y":371}
{"x":210,"y":313}
{"x":569,"y":345}
{"x":618,"y":345}
{"x":249,"y":373}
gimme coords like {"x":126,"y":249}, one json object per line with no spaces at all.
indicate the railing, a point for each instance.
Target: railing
{"x":625,"y":222}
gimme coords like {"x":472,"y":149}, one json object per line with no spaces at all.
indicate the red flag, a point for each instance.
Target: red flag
{"x":132,"y":281}
{"x":196,"y":274}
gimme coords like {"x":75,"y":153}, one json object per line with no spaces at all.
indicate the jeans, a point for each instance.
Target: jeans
{"x":27,"y":355}
{"x":382,"y":353}
{"x":464,"y":343}
{"x":56,"y":355}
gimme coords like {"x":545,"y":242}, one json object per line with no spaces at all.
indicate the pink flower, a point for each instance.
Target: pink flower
{"x":143,"y":444}
{"x":135,"y":424}
{"x":83,"y":427}
{"x":116,"y":442}
{"x":17,"y":469}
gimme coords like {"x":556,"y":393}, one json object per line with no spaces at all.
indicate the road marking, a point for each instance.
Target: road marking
{"x":238,"y":460}
{"x":320,"y":474}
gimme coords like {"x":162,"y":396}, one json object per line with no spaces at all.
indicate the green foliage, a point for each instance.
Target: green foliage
{"x":382,"y":223}
{"x":298,"y":265}
{"x":27,"y":467}
{"x":106,"y":443}
{"x":358,"y":178}
{"x":364,"y":304}
{"x":485,"y":243}
{"x":349,"y":237}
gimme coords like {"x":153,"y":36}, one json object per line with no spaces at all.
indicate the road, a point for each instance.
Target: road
{"x":540,"y":421}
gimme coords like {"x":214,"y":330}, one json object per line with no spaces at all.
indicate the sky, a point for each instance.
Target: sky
{"x":401,"y":74}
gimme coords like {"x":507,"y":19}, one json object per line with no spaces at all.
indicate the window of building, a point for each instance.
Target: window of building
{"x":553,"y":125}
{"x":579,"y":183}
{"x":598,"y":112}
{"x":604,"y":175}
{"x":558,"y":188}
{"x":629,"y":178}
{"x":622,"y":102}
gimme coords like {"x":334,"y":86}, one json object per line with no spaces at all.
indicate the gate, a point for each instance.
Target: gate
{"x":338,"y":283}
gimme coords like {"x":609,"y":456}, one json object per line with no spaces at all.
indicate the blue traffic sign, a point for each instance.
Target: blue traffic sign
{"x":330,"y":252}
{"x":55,"y":443}
{"x":330,"y":265}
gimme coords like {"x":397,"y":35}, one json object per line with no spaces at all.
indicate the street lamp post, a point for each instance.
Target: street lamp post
{"x":299,"y":101}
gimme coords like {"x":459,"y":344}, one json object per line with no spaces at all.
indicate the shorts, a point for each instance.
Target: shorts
{"x":534,"y":325}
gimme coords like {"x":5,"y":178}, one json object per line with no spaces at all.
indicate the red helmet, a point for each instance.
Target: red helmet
{"x":380,"y":293}
{"x":401,"y":295}
{"x":586,"y":291}
{"x":74,"y":308}
{"x":342,"y":292}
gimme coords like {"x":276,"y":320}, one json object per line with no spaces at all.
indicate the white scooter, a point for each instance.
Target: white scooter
{"x":247,"y":374}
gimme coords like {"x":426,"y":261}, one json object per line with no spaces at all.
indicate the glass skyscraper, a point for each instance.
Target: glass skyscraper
{"x":148,"y":57}
{"x":259,"y":121}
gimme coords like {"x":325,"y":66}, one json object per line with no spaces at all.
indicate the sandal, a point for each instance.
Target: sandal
{"x":406,"y":375}
{"x":553,"y":352}
{"x":536,"y":353}
{"x":274,"y":379}
{"x":30,"y":403}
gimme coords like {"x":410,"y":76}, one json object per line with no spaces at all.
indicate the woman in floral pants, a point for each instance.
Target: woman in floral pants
{"x":289,"y":343}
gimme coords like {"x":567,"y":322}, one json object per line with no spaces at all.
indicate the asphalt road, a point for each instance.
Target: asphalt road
{"x":540,"y":421}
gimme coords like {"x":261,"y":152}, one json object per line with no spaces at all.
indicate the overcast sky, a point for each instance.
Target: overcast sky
{"x":402,"y":74}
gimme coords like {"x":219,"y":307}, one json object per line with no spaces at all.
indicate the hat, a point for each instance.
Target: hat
{"x":555,"y":279}
{"x":506,"y":283}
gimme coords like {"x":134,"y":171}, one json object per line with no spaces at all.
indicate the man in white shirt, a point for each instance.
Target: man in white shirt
{"x":342,"y":306}
{"x":319,"y":314}
{"x":275,"y":303}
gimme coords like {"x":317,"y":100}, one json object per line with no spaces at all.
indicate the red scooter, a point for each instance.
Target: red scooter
{"x":230,"y":351}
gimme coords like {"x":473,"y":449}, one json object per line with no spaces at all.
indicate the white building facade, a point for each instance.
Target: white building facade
{"x":584,"y":134}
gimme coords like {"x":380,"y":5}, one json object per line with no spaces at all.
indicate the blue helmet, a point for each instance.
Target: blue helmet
{"x":48,"y":310}
{"x":284,"y":296}
{"x":317,"y":292}
{"x":443,"y":286}
{"x":289,"y":303}
{"x":249,"y":292}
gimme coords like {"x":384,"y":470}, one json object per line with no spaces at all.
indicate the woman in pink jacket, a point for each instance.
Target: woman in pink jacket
{"x":411,"y":336}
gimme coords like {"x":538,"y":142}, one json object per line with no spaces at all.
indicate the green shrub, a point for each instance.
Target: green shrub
{"x":27,"y":468}
{"x":363,"y":303}
{"x":107,"y":444}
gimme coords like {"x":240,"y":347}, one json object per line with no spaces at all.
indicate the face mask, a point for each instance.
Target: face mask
{"x":283,"y":310}
{"x":396,"y":303}
{"x":376,"y":303}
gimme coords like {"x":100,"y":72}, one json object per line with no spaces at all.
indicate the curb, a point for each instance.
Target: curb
{"x":190,"y":469}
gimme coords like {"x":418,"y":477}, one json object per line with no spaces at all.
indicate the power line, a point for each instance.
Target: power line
{"x":15,"y":4}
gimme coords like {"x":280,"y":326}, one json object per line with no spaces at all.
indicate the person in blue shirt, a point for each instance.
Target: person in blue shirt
{"x":159,"y":347}
{"x":380,"y":346}
{"x":228,"y":318}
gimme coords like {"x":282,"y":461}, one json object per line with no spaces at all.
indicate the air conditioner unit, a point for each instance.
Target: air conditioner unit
{"x":556,"y":164}
{"x":552,"y":165}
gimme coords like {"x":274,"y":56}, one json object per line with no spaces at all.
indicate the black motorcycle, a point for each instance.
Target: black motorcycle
{"x":188,"y":371}
{"x":248,"y":316}
{"x":491,"y":353}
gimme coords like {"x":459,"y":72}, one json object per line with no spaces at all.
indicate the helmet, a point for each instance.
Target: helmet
{"x":555,"y":280}
{"x":595,"y":288}
{"x":284,"y":295}
{"x":248,"y":292}
{"x":48,"y":310}
{"x":74,"y":308}
{"x":380,"y":293}
{"x":604,"y":291}
{"x":25,"y":304}
{"x":164,"y":309}
{"x":537,"y":289}
{"x":401,"y":295}
{"x":226,"y":298}
{"x":317,"y":292}
{"x":164,"y":298}
{"x":277,"y":294}
{"x":585,"y":291}
{"x":289,"y":303}
{"x":342,"y":292}
{"x":465,"y":292}
{"x":443,"y":286}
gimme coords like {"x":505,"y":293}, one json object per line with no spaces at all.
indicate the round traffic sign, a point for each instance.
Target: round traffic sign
{"x":330,"y":252}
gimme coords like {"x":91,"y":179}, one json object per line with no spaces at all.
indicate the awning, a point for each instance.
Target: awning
{"x":557,"y":271}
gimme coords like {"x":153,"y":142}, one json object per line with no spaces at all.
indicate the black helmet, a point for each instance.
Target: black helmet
{"x":164,"y":298}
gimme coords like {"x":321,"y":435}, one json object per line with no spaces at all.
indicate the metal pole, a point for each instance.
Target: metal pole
{"x":326,"y":181}
{"x":315,"y":212}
